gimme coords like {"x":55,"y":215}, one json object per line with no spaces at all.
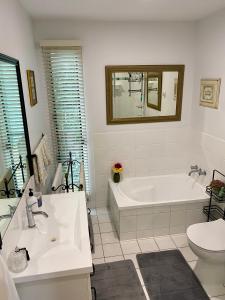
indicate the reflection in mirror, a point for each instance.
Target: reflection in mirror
{"x":144,"y":93}
{"x":14,"y":140}
{"x":154,"y":90}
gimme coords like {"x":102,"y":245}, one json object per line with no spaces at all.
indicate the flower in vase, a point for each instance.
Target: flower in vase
{"x":117,"y":168}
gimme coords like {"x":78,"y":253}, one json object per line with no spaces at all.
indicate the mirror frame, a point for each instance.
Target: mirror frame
{"x":110,"y":69}
{"x":16,"y":63}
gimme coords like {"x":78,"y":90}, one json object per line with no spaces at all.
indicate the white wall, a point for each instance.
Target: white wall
{"x":129,"y":43}
{"x":16,"y":40}
{"x":210,"y":63}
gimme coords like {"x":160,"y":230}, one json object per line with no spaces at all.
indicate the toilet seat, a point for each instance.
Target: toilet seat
{"x":209,"y":236}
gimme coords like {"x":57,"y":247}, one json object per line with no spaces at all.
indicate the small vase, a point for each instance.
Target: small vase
{"x":116,"y":177}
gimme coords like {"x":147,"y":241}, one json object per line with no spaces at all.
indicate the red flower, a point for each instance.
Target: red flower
{"x":118,"y":166}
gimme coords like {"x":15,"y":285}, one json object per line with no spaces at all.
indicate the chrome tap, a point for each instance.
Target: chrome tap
{"x":195,"y":169}
{"x":12,"y":209}
{"x":201,"y":172}
{"x":31,"y":213}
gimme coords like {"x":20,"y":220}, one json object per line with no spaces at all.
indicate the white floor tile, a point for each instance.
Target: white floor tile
{"x":109,"y":237}
{"x":214,"y":290}
{"x":188,"y":254}
{"x":140,"y":277}
{"x":102,"y":210}
{"x":96,"y":228}
{"x":218,"y":298}
{"x":133,"y":258}
{"x":148,"y":245}
{"x":106,"y":227}
{"x":112,"y":249}
{"x":129,"y":247}
{"x":165,"y":242}
{"x":114,"y":258}
{"x":94,"y":220}
{"x":97,"y":239}
{"x":98,"y":252}
{"x":104,"y":218}
{"x":180,"y":240}
{"x":98,"y":261}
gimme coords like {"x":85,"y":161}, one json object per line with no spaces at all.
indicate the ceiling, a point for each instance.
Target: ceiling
{"x":123,"y":10}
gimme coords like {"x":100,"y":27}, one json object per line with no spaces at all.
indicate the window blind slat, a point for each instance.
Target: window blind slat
{"x":65,"y":88}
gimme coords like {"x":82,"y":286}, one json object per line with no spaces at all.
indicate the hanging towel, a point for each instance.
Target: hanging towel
{"x":7,"y":287}
{"x":41,"y":161}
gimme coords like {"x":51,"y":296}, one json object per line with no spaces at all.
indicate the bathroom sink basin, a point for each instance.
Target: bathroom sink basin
{"x":58,"y":245}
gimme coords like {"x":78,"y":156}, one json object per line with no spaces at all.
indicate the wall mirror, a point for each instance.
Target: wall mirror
{"x":15,"y":166}
{"x":137,"y":94}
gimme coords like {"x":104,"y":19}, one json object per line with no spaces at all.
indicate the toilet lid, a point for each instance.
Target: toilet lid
{"x":209,"y":235}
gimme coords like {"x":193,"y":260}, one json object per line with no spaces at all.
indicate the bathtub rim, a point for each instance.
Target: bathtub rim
{"x":132,"y":204}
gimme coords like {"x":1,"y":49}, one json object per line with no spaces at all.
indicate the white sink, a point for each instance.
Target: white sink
{"x":58,"y":245}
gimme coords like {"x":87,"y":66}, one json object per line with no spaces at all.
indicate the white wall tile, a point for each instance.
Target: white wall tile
{"x":128,"y":224}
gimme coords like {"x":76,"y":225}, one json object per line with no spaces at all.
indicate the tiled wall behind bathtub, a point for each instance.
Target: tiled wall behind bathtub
{"x":142,"y":153}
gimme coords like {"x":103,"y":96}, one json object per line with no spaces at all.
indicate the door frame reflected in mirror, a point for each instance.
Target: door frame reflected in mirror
{"x":157,"y":75}
{"x":111,"y":69}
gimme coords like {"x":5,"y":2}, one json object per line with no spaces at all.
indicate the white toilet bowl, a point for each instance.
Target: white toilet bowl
{"x":207,"y":240}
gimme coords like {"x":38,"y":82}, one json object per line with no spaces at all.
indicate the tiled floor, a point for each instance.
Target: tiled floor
{"x":108,"y":248}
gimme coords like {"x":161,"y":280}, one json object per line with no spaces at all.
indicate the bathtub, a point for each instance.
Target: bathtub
{"x":156,"y":205}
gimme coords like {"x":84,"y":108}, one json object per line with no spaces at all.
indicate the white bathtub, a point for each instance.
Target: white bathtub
{"x":156,"y":205}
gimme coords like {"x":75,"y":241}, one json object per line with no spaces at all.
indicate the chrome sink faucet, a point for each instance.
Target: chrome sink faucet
{"x":31,"y":213}
{"x":195,"y":169}
{"x":12,"y":209}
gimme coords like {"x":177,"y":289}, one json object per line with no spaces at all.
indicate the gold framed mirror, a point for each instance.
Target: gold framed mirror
{"x":144,"y":93}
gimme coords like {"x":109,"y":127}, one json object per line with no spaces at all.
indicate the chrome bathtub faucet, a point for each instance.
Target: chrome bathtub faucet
{"x":195,"y":169}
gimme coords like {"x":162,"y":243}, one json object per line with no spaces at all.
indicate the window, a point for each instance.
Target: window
{"x":64,"y":76}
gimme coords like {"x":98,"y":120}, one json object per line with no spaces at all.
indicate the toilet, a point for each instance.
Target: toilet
{"x":207,"y":241}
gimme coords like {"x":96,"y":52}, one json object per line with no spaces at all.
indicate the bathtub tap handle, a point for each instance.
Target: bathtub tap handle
{"x":201,"y":172}
{"x":195,"y":167}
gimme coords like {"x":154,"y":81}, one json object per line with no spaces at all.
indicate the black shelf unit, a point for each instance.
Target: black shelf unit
{"x":214,"y":211}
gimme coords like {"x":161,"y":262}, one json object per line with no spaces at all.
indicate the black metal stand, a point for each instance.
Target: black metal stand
{"x":69,"y":186}
{"x":213,"y":211}
{"x":10,"y":192}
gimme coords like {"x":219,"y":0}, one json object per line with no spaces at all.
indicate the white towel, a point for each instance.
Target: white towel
{"x":41,"y":161}
{"x":7,"y":287}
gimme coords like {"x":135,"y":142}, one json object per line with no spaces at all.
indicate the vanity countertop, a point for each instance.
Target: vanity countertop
{"x":59,"y":245}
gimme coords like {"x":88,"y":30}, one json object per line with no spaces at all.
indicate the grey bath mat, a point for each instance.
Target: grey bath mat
{"x":117,"y":281}
{"x":167,"y":276}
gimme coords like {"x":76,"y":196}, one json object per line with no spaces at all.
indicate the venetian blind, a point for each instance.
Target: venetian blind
{"x":12,"y":139}
{"x":64,"y":76}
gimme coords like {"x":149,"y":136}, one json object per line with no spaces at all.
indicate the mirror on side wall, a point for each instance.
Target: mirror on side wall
{"x":136,"y":94}
{"x":14,"y":140}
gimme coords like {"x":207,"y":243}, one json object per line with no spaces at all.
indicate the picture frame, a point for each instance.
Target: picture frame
{"x":32,"y":87}
{"x":209,"y":92}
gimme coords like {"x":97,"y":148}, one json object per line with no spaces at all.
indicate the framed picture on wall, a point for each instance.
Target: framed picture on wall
{"x":210,"y":90}
{"x":32,"y":87}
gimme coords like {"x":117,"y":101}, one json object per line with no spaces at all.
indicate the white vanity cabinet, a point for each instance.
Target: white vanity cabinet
{"x":59,"y":248}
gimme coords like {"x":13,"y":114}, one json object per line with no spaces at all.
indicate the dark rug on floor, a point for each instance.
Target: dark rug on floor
{"x":167,"y":276}
{"x":117,"y":281}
